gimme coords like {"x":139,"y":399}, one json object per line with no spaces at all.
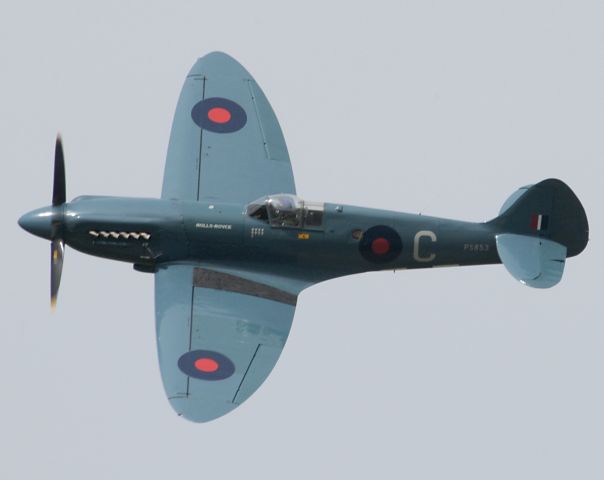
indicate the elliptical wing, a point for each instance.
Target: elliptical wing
{"x":226,"y":143}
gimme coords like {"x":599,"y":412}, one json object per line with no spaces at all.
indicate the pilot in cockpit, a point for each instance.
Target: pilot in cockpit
{"x":285,"y":210}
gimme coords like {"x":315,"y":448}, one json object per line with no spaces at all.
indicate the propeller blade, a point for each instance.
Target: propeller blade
{"x":58,"y":190}
{"x":57,"y":251}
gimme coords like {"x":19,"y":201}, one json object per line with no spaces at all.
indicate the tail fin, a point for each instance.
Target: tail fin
{"x":538,"y":227}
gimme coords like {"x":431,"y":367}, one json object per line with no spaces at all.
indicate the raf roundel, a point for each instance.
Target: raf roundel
{"x":206,"y":365}
{"x":380,"y":244}
{"x":219,"y":115}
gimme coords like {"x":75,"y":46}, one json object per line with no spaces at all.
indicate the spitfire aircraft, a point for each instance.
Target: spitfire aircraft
{"x":232,"y":246}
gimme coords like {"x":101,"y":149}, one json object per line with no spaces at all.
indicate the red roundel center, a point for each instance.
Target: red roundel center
{"x":207,"y":365}
{"x":380,"y":246}
{"x":219,"y":115}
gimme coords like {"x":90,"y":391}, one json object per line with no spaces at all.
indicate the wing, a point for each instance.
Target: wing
{"x":219,"y":336}
{"x":226,"y":143}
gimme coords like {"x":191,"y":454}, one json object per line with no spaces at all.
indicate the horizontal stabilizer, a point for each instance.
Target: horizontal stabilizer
{"x":536,"y":262}
{"x":513,"y":198}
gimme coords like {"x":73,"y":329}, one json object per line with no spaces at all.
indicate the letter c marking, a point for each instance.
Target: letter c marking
{"x":418,"y":236}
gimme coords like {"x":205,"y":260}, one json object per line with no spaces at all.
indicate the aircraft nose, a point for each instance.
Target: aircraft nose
{"x":38,"y":222}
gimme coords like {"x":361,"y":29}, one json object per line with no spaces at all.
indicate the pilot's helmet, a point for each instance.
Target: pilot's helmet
{"x":283,"y":202}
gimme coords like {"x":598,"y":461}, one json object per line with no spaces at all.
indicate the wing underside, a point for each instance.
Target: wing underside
{"x":219,"y":336}
{"x":220,"y":333}
{"x":226,"y":143}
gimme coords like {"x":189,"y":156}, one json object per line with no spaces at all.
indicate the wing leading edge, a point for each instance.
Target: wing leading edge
{"x":219,"y":336}
{"x":226,"y":143}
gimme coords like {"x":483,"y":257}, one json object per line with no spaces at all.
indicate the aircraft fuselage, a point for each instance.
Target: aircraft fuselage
{"x":150,"y":232}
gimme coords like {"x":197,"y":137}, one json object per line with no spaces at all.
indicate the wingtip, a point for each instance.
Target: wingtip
{"x":217,"y":53}
{"x":197,"y":410}
{"x":220,"y":62}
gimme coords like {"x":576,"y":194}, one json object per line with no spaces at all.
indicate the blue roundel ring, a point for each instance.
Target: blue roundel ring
{"x":380,"y":244}
{"x":219,"y":115}
{"x":206,"y":365}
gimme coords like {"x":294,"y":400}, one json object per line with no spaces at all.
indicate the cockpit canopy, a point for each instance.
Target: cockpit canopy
{"x":287,"y":211}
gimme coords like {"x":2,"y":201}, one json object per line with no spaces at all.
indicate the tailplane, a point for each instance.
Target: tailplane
{"x":538,"y":227}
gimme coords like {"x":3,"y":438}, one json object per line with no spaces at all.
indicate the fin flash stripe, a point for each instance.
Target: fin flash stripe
{"x":539,"y":222}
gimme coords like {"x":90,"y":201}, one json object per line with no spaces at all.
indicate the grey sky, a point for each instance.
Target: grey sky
{"x":440,"y":107}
